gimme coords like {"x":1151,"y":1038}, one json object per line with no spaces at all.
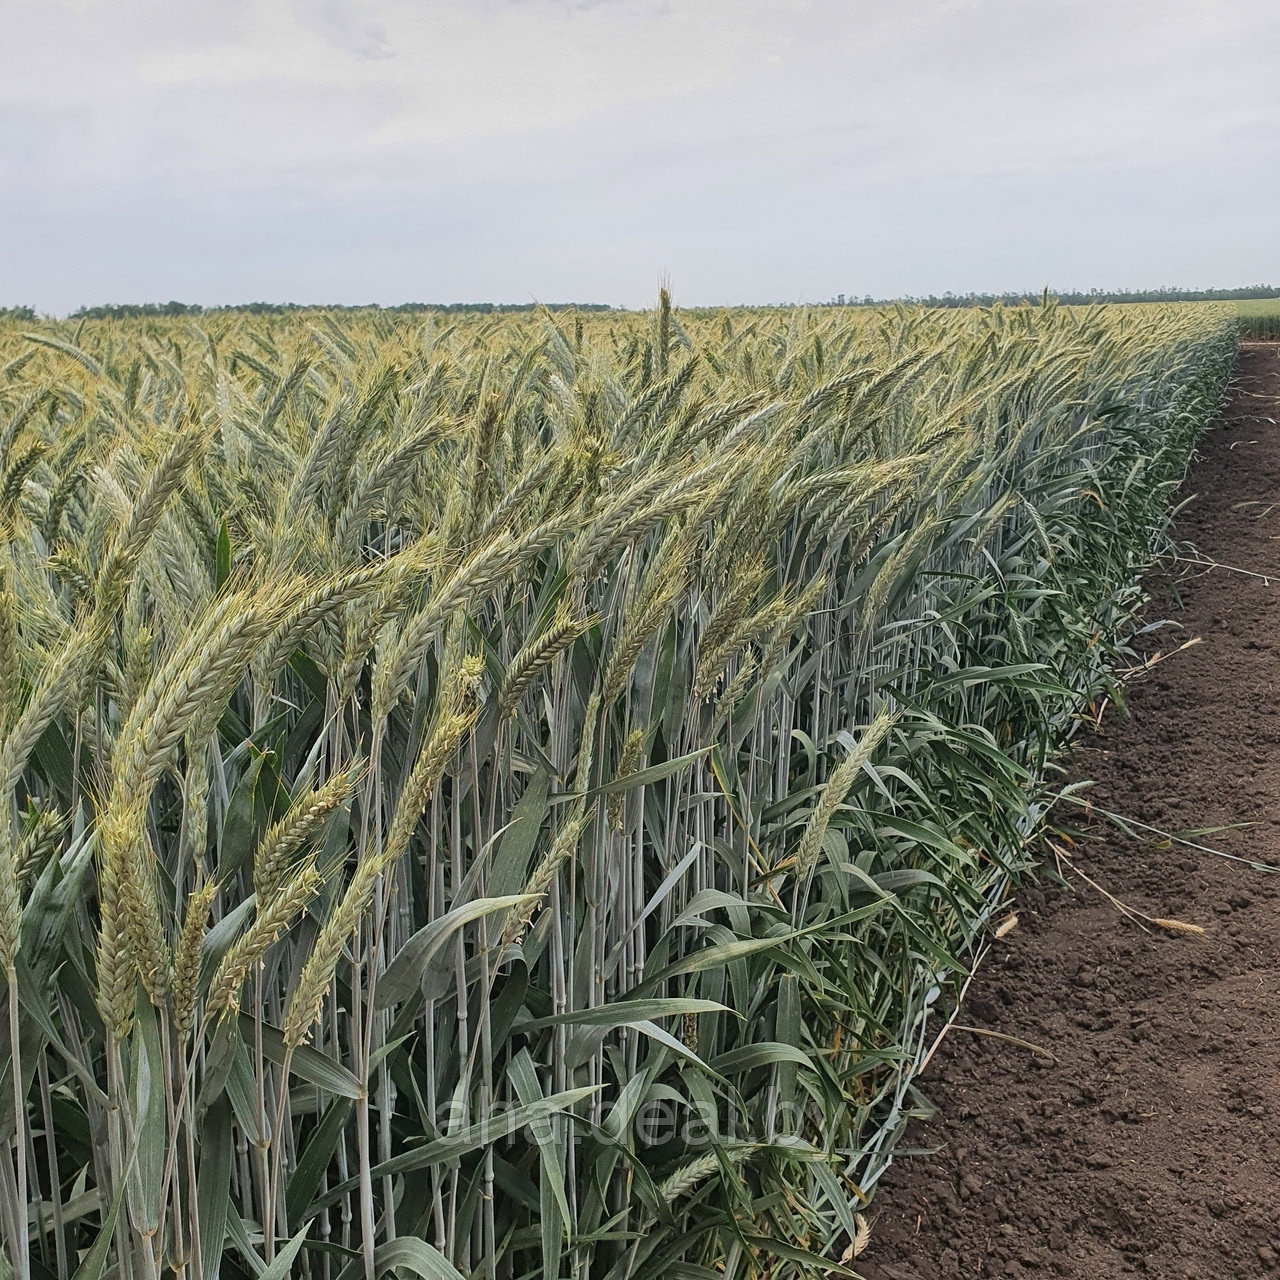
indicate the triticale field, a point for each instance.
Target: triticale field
{"x":517,"y":796}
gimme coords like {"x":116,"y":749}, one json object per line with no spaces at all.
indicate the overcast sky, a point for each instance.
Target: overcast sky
{"x":751,"y":150}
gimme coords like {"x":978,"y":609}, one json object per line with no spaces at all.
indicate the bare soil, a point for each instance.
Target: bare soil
{"x":1152,"y":1145}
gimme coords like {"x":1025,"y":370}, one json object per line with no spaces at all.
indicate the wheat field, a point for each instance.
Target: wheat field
{"x":1259,"y":319}
{"x":511,"y":796}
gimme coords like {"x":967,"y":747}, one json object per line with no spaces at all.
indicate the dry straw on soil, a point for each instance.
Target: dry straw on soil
{"x":502,"y":796}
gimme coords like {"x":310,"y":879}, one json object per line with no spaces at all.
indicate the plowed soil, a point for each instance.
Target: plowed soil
{"x":1151,"y":1146}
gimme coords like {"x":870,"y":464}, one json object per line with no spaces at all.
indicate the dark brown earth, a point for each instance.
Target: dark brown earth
{"x":1152,"y":1146}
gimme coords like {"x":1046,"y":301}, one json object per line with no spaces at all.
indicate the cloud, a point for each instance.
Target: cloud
{"x":347,"y":25}
{"x":758,"y":149}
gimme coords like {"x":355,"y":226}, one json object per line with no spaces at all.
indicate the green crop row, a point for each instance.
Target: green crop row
{"x":1259,"y":320}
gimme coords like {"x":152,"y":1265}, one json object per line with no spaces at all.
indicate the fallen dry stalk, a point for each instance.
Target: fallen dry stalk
{"x":1038,"y":1050}
{"x":1173,"y":926}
